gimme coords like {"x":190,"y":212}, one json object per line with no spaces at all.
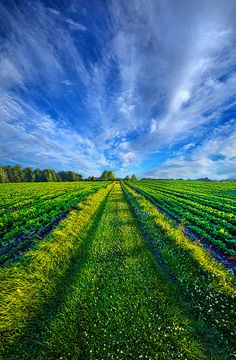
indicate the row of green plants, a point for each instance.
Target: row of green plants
{"x":15,"y":196}
{"x":215,"y":226}
{"x":224,"y":201}
{"x":197,"y":205}
{"x":27,"y":220}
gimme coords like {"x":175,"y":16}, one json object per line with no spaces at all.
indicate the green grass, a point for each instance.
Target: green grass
{"x":115,"y":281}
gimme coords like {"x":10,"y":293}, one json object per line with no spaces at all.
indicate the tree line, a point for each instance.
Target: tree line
{"x":130,"y":178}
{"x":109,"y":175}
{"x":17,"y":174}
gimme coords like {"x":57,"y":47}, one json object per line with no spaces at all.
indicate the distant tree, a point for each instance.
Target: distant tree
{"x":7,"y":171}
{"x":62,"y":176}
{"x":28,"y":174}
{"x":104,"y":175}
{"x":16,"y":173}
{"x":72,"y":176}
{"x":53,"y":175}
{"x":108,"y":175}
{"x":226,"y":180}
{"x":37,"y":175}
{"x":79,"y":177}
{"x":204,"y":179}
{"x":111,"y":175}
{"x":45,"y":175}
{"x":91,"y":178}
{"x":69,"y":176}
{"x":127,"y":178}
{"x":3,"y":175}
{"x":133,"y":178}
{"x":49,"y":175}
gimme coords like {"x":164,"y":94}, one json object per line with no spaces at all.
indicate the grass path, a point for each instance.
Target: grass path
{"x":113,"y":300}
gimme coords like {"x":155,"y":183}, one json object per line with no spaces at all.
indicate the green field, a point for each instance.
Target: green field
{"x":208,"y":209}
{"x":114,"y":278}
{"x":29,"y":210}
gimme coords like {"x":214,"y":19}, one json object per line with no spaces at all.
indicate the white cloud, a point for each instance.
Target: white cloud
{"x":67,"y":82}
{"x":9,"y":109}
{"x":153,"y":126}
{"x":188,"y":146}
{"x":37,"y":46}
{"x":9,"y":74}
{"x":181,"y":97}
{"x":177,"y":72}
{"x":46,"y":143}
{"x":54,"y":11}
{"x":214,"y":158}
{"x":126,"y":108}
{"x":75,"y":24}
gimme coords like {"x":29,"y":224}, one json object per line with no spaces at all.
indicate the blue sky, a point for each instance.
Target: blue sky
{"x":136,"y":86}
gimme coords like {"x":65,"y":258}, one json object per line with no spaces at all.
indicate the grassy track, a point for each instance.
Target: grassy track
{"x":105,"y":296}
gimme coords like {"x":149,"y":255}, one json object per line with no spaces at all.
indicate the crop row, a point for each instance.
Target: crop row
{"x":214,"y":189}
{"x":222,"y":203}
{"x":21,"y":224}
{"x":14,"y":196}
{"x":218,"y":217}
{"x":213,"y":225}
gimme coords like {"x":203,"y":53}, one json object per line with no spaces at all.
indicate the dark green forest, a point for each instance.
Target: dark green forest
{"x":17,"y":174}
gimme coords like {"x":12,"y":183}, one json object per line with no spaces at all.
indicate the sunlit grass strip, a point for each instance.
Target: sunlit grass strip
{"x":204,"y":285}
{"x":27,"y":284}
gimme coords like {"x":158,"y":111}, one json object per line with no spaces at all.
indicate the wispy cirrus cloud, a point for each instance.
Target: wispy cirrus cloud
{"x":215,"y":155}
{"x":47,"y":142}
{"x":74,"y":24}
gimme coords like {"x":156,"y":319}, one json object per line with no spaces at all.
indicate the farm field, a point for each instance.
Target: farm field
{"x":207,"y":209}
{"x":29,"y":210}
{"x":113,"y":280}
